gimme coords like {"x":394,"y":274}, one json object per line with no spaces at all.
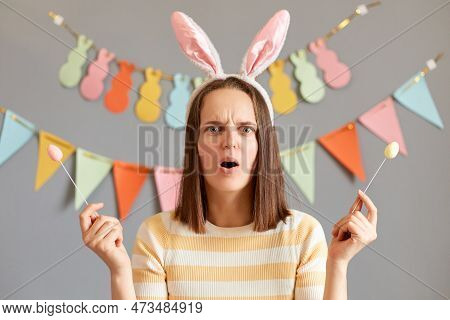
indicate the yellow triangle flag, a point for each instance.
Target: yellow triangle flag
{"x":46,"y":166}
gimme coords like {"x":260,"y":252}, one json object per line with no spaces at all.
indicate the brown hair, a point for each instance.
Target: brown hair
{"x":269,"y":203}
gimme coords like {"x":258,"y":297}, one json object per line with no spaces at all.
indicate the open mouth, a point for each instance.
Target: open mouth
{"x":229,"y":164}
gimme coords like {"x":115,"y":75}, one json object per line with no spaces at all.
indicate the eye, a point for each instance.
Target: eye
{"x":216,"y":129}
{"x":248,"y":130}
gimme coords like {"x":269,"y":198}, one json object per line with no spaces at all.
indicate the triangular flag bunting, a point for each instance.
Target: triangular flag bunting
{"x":299,"y":163}
{"x":16,"y":131}
{"x":128,"y":181}
{"x":344,"y":146}
{"x":382,"y":121}
{"x":416,"y":97}
{"x":91,"y":169}
{"x":46,"y":166}
{"x":167,"y":185}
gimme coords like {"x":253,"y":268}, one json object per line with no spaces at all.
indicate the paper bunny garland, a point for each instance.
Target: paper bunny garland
{"x":263,"y":51}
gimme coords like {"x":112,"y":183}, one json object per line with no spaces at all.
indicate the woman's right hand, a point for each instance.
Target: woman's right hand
{"x":103,"y":235}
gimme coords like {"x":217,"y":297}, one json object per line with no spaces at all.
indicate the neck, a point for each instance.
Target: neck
{"x":229,"y":209}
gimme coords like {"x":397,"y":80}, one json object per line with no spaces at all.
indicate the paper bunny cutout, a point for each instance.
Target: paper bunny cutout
{"x":262,"y":52}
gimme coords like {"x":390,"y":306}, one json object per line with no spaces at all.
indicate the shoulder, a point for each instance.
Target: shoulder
{"x":310,"y":236}
{"x":307,"y":226}
{"x":157,"y":224}
{"x":303,"y":220}
{"x":164,"y":222}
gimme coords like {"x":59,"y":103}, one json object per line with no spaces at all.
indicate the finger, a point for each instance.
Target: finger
{"x":114,"y":236}
{"x":357,"y":233}
{"x":356,"y":206}
{"x":338,"y":224}
{"x":103,"y":219}
{"x":119,"y":239}
{"x":343,"y":220}
{"x":351,"y":227}
{"x":369,"y":230}
{"x":372,"y":213}
{"x":105,"y":229}
{"x":87,"y":213}
{"x":340,"y":234}
{"x":94,"y":216}
{"x":343,"y":235}
{"x":358,"y":222}
{"x":94,"y":239}
{"x":362,"y":218}
{"x":115,"y":222}
{"x":97,"y":225}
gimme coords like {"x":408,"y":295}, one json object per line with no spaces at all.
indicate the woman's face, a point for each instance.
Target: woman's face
{"x":227,"y":135}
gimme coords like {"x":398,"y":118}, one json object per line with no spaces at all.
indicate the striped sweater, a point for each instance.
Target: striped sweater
{"x":170,"y":261}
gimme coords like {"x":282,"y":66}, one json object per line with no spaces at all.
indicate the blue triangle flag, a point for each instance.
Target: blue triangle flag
{"x":416,"y":97}
{"x":16,"y":131}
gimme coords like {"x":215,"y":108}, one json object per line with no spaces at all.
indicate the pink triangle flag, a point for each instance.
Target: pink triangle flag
{"x":383,"y":122}
{"x":167,"y":185}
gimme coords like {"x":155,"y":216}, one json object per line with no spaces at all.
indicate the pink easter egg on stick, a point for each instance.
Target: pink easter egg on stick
{"x":54,"y":152}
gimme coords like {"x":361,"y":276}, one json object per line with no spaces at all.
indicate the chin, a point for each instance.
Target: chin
{"x":227,"y":184}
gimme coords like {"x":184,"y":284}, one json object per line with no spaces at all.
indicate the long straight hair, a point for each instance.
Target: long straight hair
{"x":269,"y":202}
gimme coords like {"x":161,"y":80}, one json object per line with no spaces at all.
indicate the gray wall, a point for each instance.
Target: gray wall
{"x":410,"y":259}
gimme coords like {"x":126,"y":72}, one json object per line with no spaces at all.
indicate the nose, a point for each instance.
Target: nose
{"x":231,"y":137}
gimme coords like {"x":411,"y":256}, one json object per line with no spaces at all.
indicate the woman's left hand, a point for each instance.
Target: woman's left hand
{"x":354,"y":231}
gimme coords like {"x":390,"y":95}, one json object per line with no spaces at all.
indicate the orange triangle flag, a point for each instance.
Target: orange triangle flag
{"x":128,"y":181}
{"x":343,"y":145}
{"x":46,"y":166}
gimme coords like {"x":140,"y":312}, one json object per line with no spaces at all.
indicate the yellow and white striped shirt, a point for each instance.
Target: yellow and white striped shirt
{"x":170,"y":261}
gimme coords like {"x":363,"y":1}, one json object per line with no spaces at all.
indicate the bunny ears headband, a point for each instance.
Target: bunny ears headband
{"x":263,"y":51}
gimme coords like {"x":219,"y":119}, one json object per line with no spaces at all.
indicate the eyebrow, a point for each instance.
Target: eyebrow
{"x":239,"y":123}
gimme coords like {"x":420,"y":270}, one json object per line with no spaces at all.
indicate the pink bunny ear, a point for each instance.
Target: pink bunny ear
{"x":195,"y":44}
{"x":267,"y":44}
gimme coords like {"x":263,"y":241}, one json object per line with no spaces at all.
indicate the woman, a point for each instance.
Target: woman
{"x":231,"y":235}
{"x":235,"y":201}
